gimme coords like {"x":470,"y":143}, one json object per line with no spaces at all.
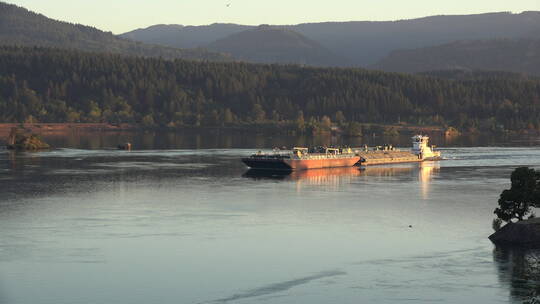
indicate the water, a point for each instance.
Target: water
{"x":174,"y":224}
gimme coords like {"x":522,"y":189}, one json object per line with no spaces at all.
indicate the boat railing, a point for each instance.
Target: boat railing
{"x":275,"y":154}
{"x":301,"y":153}
{"x":324,"y":156}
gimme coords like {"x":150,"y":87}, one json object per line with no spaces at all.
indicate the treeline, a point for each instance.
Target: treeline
{"x":50,"y":85}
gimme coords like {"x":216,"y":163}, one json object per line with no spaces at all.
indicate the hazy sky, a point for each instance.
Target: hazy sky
{"x":120,"y":16}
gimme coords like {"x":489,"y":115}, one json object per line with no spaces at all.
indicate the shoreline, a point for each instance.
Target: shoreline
{"x":369,"y":129}
{"x":39,"y":128}
{"x":58,"y":127}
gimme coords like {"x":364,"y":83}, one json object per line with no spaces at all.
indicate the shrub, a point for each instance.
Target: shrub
{"x":496,"y":224}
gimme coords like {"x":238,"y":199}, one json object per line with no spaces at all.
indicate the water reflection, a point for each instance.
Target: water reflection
{"x":327,"y":178}
{"x":424,"y":172}
{"x":319,"y":177}
{"x":191,"y":139}
{"x":335,"y":177}
{"x":519,"y":269}
{"x":219,"y":138}
{"x":425,"y":176}
{"x":386,"y":171}
{"x":12,"y":159}
{"x":19,"y":160}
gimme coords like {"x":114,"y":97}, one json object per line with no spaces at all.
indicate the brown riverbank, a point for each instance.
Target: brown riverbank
{"x":61,"y":127}
{"x":40,"y":128}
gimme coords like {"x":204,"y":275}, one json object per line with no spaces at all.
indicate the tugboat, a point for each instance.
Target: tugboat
{"x":303,"y":158}
{"x":422,"y":150}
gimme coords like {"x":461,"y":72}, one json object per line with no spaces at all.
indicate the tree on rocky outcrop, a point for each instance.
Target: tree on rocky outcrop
{"x":517,"y":202}
{"x":19,"y":141}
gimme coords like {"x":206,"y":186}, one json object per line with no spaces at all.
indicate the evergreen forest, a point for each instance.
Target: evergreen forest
{"x":51,"y":85}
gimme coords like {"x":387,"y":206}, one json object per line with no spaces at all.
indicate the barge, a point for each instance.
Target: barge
{"x":420,"y":152}
{"x":303,"y":158}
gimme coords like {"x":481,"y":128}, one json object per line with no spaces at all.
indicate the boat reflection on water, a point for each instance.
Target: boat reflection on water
{"x":318,"y":177}
{"x":311,"y":174}
{"x":424,"y":171}
{"x":334,"y":177}
{"x":387,"y":170}
{"x":267,"y":174}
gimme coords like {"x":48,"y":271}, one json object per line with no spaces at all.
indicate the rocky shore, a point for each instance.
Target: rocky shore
{"x":521,"y":234}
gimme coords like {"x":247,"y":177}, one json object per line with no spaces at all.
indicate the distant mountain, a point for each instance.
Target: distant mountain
{"x":515,"y":55}
{"x":180,"y":36}
{"x":18,"y":26}
{"x":364,"y":43}
{"x":266,"y":44}
{"x":154,"y":34}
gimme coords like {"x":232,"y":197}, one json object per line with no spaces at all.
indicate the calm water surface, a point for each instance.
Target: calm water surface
{"x":175,"y":224}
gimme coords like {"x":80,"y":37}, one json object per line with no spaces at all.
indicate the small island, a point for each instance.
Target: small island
{"x":522,"y":228}
{"x":23,"y":142}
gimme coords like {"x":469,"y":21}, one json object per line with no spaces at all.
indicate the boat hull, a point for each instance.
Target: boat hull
{"x":303,"y":164}
{"x":266,"y":164}
{"x":300,"y":164}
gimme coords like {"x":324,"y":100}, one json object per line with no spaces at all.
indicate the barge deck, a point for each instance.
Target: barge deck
{"x":386,"y":157}
{"x":389,"y":155}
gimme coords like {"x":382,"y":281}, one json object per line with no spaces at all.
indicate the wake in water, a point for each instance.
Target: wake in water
{"x":277,"y":287}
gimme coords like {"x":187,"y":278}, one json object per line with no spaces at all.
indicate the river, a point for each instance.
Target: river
{"x":181,"y":220}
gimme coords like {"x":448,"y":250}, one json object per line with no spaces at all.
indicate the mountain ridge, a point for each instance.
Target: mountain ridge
{"x":20,"y":26}
{"x":186,"y":36}
{"x":363,"y":43}
{"x":266,"y":44}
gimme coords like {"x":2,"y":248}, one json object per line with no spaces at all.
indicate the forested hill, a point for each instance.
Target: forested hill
{"x":181,"y":36}
{"x":50,"y":85}
{"x":515,"y":55}
{"x":19,"y":26}
{"x":266,"y":44}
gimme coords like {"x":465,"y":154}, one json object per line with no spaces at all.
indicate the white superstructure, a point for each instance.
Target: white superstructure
{"x":422,"y":150}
